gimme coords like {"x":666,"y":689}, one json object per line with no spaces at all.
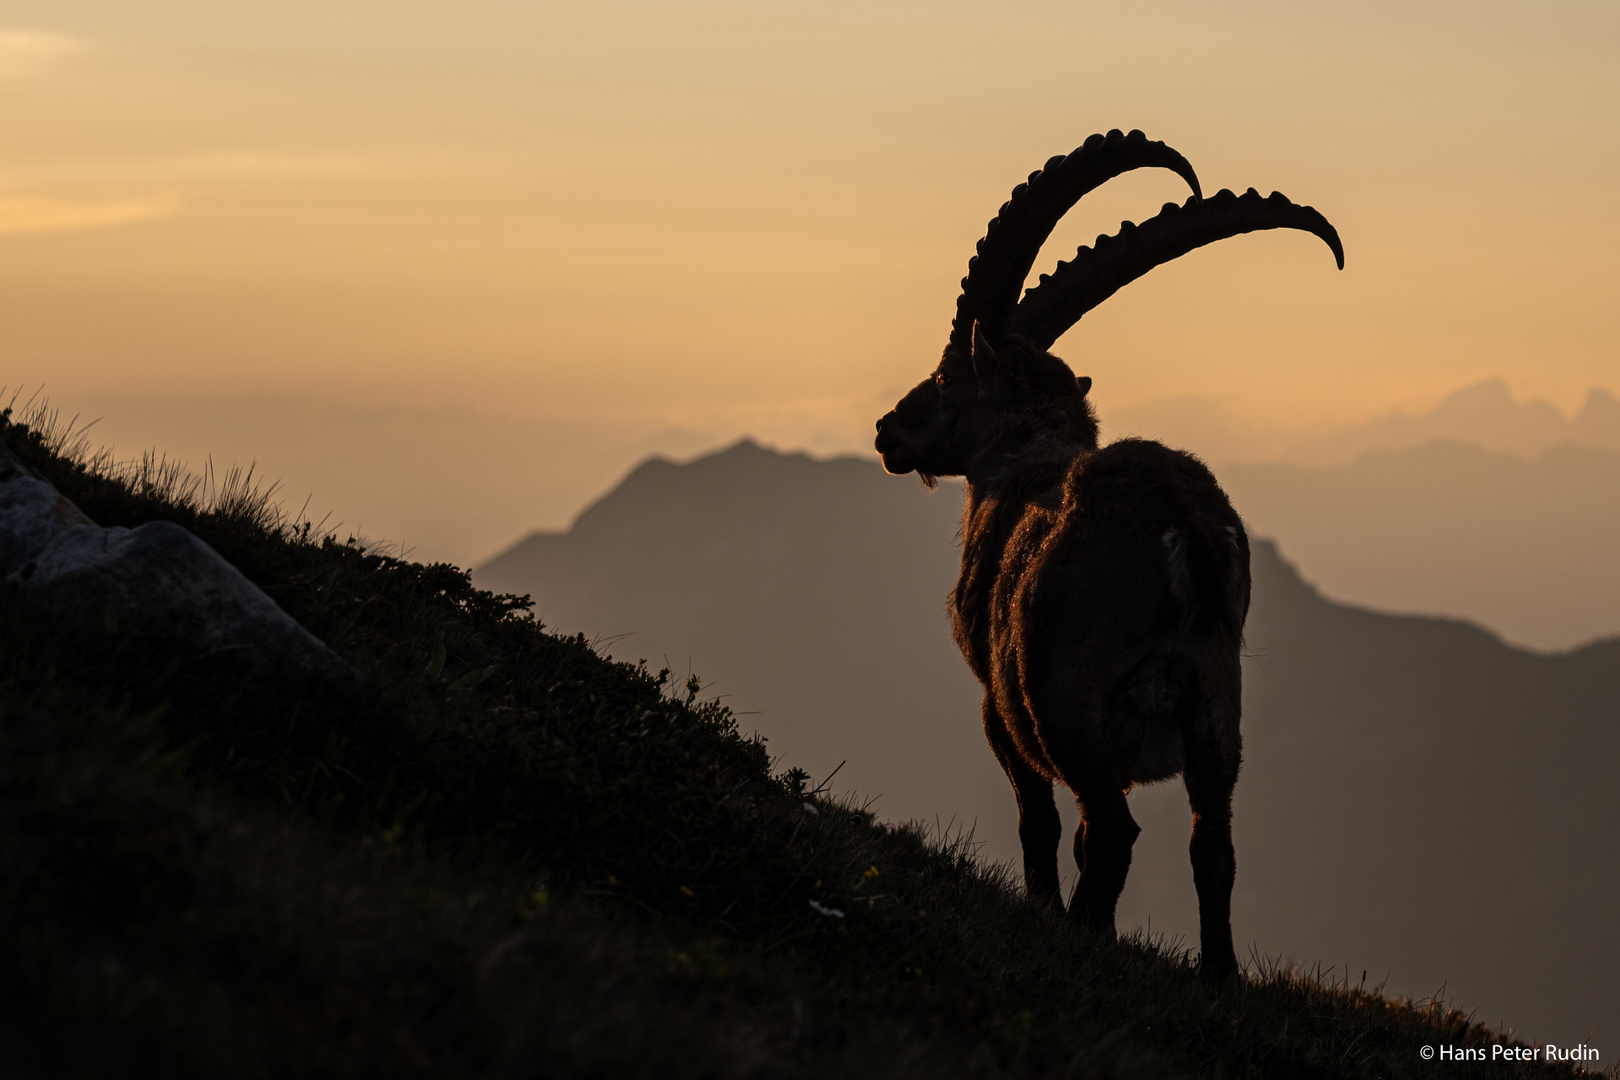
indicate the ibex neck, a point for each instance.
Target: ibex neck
{"x":1021,"y":468}
{"x":1003,"y":485}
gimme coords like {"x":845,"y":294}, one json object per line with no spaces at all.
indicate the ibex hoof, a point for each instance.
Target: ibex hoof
{"x":1217,"y":968}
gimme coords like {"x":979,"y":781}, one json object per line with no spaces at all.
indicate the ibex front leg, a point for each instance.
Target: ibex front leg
{"x":1214,"y":753}
{"x":1039,"y":828}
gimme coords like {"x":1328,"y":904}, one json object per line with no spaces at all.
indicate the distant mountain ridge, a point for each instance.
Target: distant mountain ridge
{"x":1484,"y":415}
{"x":1419,"y":799}
{"x":1486,"y":507}
{"x":1527,"y":547}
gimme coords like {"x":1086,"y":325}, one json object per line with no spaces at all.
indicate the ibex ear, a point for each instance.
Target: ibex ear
{"x":984,"y":357}
{"x":1084,"y":383}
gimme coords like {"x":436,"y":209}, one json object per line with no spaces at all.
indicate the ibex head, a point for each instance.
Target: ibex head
{"x":996,"y":381}
{"x":978,"y":396}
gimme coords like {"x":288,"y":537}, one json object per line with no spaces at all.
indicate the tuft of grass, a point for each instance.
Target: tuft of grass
{"x":510,"y":856}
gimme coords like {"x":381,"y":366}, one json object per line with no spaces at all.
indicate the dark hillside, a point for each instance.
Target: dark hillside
{"x":1419,"y":800}
{"x":509,"y":856}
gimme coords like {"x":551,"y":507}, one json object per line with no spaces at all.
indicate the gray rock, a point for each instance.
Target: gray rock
{"x":158,"y":580}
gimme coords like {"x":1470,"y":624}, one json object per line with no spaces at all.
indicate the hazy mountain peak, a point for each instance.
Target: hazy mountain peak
{"x":1488,"y":412}
{"x":746,"y":457}
{"x":1273,"y":571}
{"x":1484,"y":414}
{"x":1487,"y":394}
{"x":1599,"y":418}
{"x":743,"y":448}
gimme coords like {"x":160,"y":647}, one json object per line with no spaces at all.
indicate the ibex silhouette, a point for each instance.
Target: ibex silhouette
{"x":1103,"y":591}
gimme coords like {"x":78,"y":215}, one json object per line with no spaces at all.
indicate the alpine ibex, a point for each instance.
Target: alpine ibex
{"x":1103,"y":590}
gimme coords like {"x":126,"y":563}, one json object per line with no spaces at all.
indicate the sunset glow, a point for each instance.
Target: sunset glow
{"x":612,"y":228}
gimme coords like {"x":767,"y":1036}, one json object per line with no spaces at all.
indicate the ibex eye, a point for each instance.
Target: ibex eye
{"x":941,"y":379}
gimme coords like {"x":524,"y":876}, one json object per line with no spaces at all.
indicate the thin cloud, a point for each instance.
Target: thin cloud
{"x":23,"y":51}
{"x":229,"y":164}
{"x":186,"y":168}
{"x":38,"y":215}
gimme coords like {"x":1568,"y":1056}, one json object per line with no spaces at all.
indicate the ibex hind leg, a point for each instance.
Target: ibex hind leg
{"x":1040,"y":830}
{"x":1071,"y":726}
{"x":1102,"y":850}
{"x":1214,"y":751}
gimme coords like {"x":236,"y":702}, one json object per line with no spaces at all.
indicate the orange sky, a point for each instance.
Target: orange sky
{"x":382,"y":248}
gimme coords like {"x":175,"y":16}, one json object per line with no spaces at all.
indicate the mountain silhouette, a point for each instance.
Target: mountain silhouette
{"x":1420,"y":800}
{"x":1525,"y":546}
{"x":1484,"y":414}
{"x":1485,"y":508}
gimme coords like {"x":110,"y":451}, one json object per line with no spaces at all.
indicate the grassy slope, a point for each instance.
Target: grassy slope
{"x":513,"y":857}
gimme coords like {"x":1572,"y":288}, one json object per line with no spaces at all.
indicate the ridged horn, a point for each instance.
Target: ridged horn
{"x":1013,"y":239}
{"x":1096,"y":273}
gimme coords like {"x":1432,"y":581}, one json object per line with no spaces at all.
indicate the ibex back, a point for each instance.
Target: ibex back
{"x":1103,"y":591}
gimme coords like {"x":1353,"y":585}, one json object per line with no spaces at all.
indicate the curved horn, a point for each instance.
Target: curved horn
{"x":1096,"y":273}
{"x":1014,"y":236}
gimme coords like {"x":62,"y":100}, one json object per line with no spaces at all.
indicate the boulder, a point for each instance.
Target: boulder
{"x":157,"y":580}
